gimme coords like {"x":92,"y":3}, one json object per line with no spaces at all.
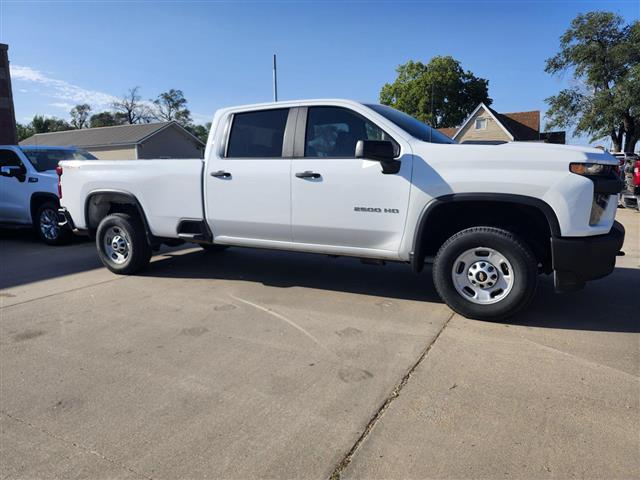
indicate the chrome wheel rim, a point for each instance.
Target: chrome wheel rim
{"x":49,"y":224}
{"x":482,"y":275}
{"x":117,"y":245}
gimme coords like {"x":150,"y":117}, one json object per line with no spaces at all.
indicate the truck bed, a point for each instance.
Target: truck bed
{"x":167,"y":189}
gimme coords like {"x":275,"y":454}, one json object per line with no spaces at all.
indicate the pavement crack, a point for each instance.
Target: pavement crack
{"x":80,"y":447}
{"x":377,"y":416}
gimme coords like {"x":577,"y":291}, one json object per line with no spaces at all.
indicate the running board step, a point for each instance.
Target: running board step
{"x":192,"y":236}
{"x":194,"y":230}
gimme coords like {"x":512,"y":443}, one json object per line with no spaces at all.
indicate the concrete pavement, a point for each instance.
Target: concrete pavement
{"x":252,"y":364}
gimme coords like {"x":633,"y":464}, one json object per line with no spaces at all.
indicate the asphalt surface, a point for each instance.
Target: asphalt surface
{"x":255,"y":364}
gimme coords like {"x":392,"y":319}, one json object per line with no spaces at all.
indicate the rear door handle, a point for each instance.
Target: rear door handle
{"x":308,"y":174}
{"x":221,"y":174}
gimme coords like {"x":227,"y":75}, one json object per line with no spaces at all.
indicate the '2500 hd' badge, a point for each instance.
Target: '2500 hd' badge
{"x":376,"y":210}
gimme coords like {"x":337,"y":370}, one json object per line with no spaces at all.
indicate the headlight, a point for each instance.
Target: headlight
{"x":590,"y":169}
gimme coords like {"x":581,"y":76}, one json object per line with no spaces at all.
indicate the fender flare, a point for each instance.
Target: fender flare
{"x":39,"y":197}
{"x":131,"y":199}
{"x":417,"y":256}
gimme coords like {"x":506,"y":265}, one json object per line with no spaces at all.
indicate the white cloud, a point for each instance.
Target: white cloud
{"x":62,"y":105}
{"x":66,"y":92}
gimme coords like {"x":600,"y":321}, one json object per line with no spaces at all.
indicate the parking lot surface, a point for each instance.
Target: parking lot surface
{"x":258,"y":364}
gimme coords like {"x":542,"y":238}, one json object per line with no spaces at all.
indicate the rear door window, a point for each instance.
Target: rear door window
{"x":257,"y":134}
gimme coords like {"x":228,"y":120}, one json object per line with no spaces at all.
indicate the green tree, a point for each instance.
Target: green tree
{"x":172,"y":106}
{"x":41,"y":124}
{"x":24,"y":131}
{"x":200,"y":131}
{"x":603,"y":55}
{"x":80,"y":116}
{"x":439,"y":93}
{"x":107,"y":119}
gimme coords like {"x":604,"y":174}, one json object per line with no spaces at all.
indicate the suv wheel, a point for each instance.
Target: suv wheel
{"x":122,"y":243}
{"x":485,"y":273}
{"x":46,"y":225}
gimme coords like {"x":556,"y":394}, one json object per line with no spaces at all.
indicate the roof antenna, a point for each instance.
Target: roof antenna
{"x":432,"y":126}
{"x":275,"y":79}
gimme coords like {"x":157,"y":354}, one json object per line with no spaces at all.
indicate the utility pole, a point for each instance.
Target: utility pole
{"x":275,"y":79}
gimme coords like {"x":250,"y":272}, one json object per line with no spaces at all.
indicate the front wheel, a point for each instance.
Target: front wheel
{"x":47,"y":228}
{"x":485,"y":273}
{"x":122,"y":243}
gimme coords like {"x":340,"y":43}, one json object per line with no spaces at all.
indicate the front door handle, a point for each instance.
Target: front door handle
{"x":308,"y":174}
{"x":221,"y":174}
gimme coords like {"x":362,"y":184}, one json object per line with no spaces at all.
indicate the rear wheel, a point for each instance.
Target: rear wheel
{"x":122,"y":244}
{"x":485,"y":273}
{"x":46,"y":225}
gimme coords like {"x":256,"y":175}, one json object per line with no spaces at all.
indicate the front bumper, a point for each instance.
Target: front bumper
{"x":578,"y":260}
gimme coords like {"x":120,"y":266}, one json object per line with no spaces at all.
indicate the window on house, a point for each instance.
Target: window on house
{"x":481,"y":123}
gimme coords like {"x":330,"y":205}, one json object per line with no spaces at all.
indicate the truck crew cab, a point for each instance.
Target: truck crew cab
{"x":340,"y":177}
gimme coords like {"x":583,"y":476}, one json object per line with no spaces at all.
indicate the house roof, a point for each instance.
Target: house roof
{"x":448,"y":131}
{"x":522,"y":125}
{"x":120,"y":135}
{"x":517,"y":125}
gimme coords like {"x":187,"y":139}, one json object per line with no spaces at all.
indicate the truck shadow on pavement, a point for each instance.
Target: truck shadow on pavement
{"x":610,"y":304}
{"x":290,"y":269}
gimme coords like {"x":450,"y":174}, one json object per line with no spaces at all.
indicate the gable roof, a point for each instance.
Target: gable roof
{"x":492,"y":113}
{"x":448,"y":131}
{"x":120,"y":135}
{"x":518,"y":126}
{"x":522,"y":125}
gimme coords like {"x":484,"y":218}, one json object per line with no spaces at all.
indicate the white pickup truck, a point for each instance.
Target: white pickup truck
{"x":339,"y":177}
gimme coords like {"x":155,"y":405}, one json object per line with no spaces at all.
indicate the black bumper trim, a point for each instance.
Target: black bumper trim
{"x":610,"y":185}
{"x":577,"y":260}
{"x":65,"y":220}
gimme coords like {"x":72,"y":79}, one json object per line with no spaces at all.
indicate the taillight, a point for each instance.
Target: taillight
{"x":59,"y":172}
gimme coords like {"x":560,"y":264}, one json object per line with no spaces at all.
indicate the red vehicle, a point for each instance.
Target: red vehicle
{"x":630,"y":173}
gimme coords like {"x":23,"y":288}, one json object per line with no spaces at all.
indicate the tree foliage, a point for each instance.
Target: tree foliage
{"x":200,"y":131}
{"x":172,"y":106}
{"x":41,"y":124}
{"x":80,"y":116}
{"x":439,"y":93}
{"x":132,"y":107}
{"x":603,"y":56}
{"x":107,"y":119}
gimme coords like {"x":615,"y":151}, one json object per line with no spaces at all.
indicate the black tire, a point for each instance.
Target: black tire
{"x":211,"y":248}
{"x":524,"y":274}
{"x":46,"y":226}
{"x":128,"y":232}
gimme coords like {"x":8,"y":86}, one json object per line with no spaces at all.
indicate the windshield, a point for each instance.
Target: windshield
{"x":412,"y":126}
{"x":44,"y":159}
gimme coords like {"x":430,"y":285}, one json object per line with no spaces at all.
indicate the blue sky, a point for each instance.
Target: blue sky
{"x":219,"y":52}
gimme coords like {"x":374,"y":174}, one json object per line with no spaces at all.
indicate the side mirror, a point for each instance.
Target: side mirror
{"x":379,"y":151}
{"x":11,"y":171}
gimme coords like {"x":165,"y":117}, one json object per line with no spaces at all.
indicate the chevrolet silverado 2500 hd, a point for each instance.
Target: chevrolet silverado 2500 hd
{"x":339,"y":177}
